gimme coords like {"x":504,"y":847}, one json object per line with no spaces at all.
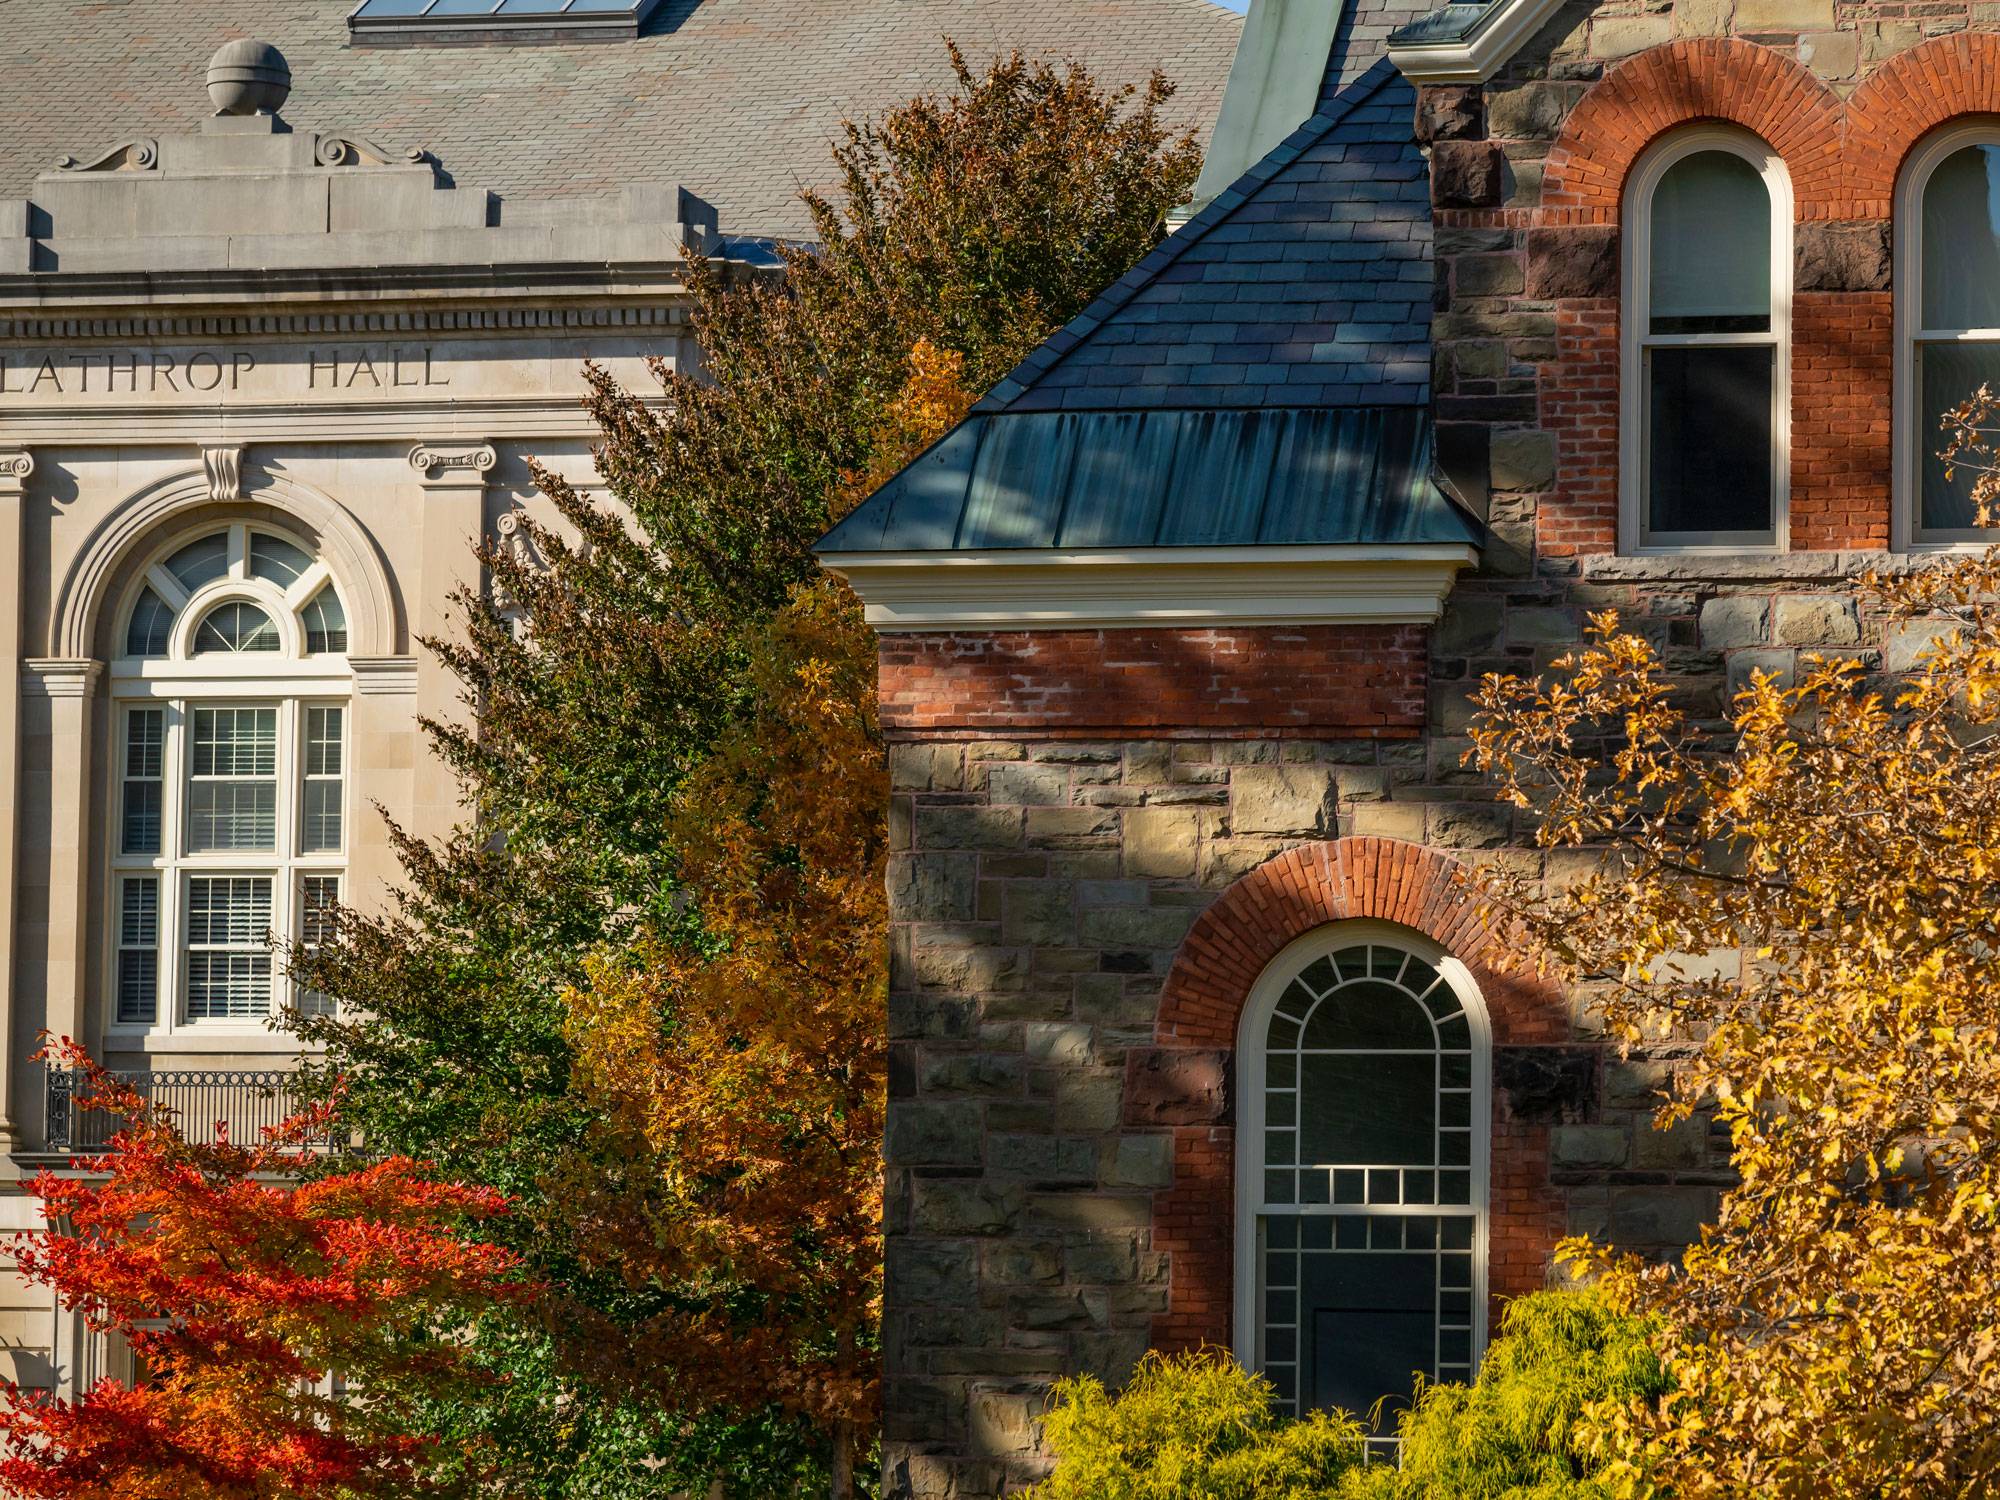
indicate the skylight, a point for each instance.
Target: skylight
{"x":515,"y":20}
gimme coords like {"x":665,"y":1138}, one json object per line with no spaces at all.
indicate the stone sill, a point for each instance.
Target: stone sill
{"x":1752,"y":567}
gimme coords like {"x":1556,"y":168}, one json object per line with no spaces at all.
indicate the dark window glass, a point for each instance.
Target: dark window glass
{"x":1371,"y":1110}
{"x":1369,"y":1015}
{"x":1709,"y":439}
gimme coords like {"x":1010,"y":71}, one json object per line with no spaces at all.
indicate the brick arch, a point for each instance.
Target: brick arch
{"x":1387,"y":880}
{"x":1905,"y":99}
{"x":1712,"y":78}
{"x":1183,"y":1081}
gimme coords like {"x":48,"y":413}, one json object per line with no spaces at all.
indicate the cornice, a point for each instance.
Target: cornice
{"x":1179,"y":586}
{"x":85,"y":325}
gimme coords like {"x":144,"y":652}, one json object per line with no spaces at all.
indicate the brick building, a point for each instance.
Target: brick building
{"x":1543,"y":308}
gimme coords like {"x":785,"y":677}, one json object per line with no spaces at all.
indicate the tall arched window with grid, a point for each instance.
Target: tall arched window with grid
{"x":230,"y":765}
{"x":1362,"y":1159}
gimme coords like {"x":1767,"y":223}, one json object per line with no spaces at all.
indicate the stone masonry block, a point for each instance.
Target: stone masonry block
{"x":1388,"y":820}
{"x":1680,"y":1147}
{"x":1145,"y":1161}
{"x":968,"y":827}
{"x":1472,"y":624}
{"x":1784,"y":15}
{"x":1660,"y":1216}
{"x":1573,"y":262}
{"x":1530,"y":112}
{"x":1283,"y":799}
{"x":953,"y":1207}
{"x":1469,"y":825}
{"x":930,"y":1271}
{"x":1177,"y":1086}
{"x":1040,"y":913}
{"x":934,"y":887}
{"x":1904,"y":645}
{"x":1523,"y":460}
{"x":1028,"y":785}
{"x":1613,"y":37}
{"x":1831,"y":54}
{"x":1744,"y":665}
{"x":935,"y":1134}
{"x":1701,"y":17}
{"x":1465,"y":174}
{"x":1817,"y":620}
{"x":1733,"y":620}
{"x":1160,"y":841}
{"x":926,"y":768}
{"x":1448,"y":112}
{"x":1843,"y":256}
{"x":1588,"y":1146}
{"x":1487,"y":276}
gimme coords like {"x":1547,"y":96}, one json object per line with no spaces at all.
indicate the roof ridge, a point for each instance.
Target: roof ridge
{"x":1073,"y":334}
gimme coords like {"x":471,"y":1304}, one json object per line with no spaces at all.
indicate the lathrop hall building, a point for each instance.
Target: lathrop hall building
{"x":281,"y":323}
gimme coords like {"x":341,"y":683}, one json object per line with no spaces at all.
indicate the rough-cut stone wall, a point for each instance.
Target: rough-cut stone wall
{"x":1059,"y":1164}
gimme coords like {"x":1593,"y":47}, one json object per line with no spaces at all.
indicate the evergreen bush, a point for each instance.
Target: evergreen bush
{"x":1192,"y":1425}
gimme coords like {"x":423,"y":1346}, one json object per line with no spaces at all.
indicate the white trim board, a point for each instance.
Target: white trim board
{"x":1049,"y":589}
{"x":1477,"y":57}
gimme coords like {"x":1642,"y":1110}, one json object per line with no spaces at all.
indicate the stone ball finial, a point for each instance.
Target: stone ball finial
{"x":249,"y":78}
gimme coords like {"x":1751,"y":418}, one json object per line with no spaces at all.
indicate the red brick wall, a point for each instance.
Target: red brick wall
{"x":1228,"y":948}
{"x":1349,"y":680}
{"x":1843,"y":157}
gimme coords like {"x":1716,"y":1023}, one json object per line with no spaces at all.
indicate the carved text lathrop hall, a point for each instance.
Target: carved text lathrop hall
{"x":46,"y":374}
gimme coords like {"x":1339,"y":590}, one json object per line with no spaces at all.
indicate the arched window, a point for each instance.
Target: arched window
{"x":1363,"y":1063}
{"x":1707,"y":369}
{"x":1948,"y":312}
{"x":230,"y":766}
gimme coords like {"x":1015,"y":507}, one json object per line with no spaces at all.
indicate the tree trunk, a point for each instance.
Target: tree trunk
{"x":842,"y":1487}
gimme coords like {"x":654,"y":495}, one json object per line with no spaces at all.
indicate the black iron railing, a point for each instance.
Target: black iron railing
{"x":245,"y":1101}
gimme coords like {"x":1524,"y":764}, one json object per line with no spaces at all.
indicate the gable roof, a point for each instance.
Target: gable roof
{"x":735,"y":100}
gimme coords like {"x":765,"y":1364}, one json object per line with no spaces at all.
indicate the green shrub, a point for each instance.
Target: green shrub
{"x":1192,"y":1427}
{"x":1512,"y":1434}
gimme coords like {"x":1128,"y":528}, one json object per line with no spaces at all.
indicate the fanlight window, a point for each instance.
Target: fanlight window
{"x":231,"y":779}
{"x":1368,"y":1198}
{"x":295,"y":585}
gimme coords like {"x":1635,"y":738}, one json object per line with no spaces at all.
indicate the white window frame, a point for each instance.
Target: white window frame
{"x":1634,"y":435}
{"x":1252,"y":1032}
{"x":288,"y":680}
{"x":1908,"y":426}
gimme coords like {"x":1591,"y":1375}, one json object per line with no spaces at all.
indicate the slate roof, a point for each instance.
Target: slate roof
{"x":1306,"y":283}
{"x":1065,"y":480}
{"x":736,"y":100}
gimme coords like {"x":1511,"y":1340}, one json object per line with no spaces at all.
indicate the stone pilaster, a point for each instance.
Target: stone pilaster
{"x":452,"y":476}
{"x":16,"y":467}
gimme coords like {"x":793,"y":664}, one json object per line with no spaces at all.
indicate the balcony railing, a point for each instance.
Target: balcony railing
{"x":246,"y":1102}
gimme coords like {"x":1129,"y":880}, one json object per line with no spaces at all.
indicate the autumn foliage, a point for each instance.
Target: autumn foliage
{"x":1798,"y":913}
{"x":243,"y":1294}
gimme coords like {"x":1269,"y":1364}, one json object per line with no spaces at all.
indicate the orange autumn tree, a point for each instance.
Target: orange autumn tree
{"x":242,"y":1292}
{"x":744,"y":1077}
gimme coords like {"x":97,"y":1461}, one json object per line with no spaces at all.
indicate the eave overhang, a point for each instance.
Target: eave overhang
{"x":1187,"y":587}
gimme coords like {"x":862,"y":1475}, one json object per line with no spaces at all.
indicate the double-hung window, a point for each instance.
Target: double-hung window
{"x":231,"y":785}
{"x":1363,"y":1064}
{"x":1948,"y":312}
{"x":1706,"y":389}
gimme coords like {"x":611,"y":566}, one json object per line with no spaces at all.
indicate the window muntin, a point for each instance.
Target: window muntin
{"x":1361,"y":1170}
{"x":1706,"y":388}
{"x":1950,"y":231}
{"x":231,"y":774}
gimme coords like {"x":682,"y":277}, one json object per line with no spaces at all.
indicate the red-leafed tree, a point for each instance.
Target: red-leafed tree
{"x":289,"y":1330}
